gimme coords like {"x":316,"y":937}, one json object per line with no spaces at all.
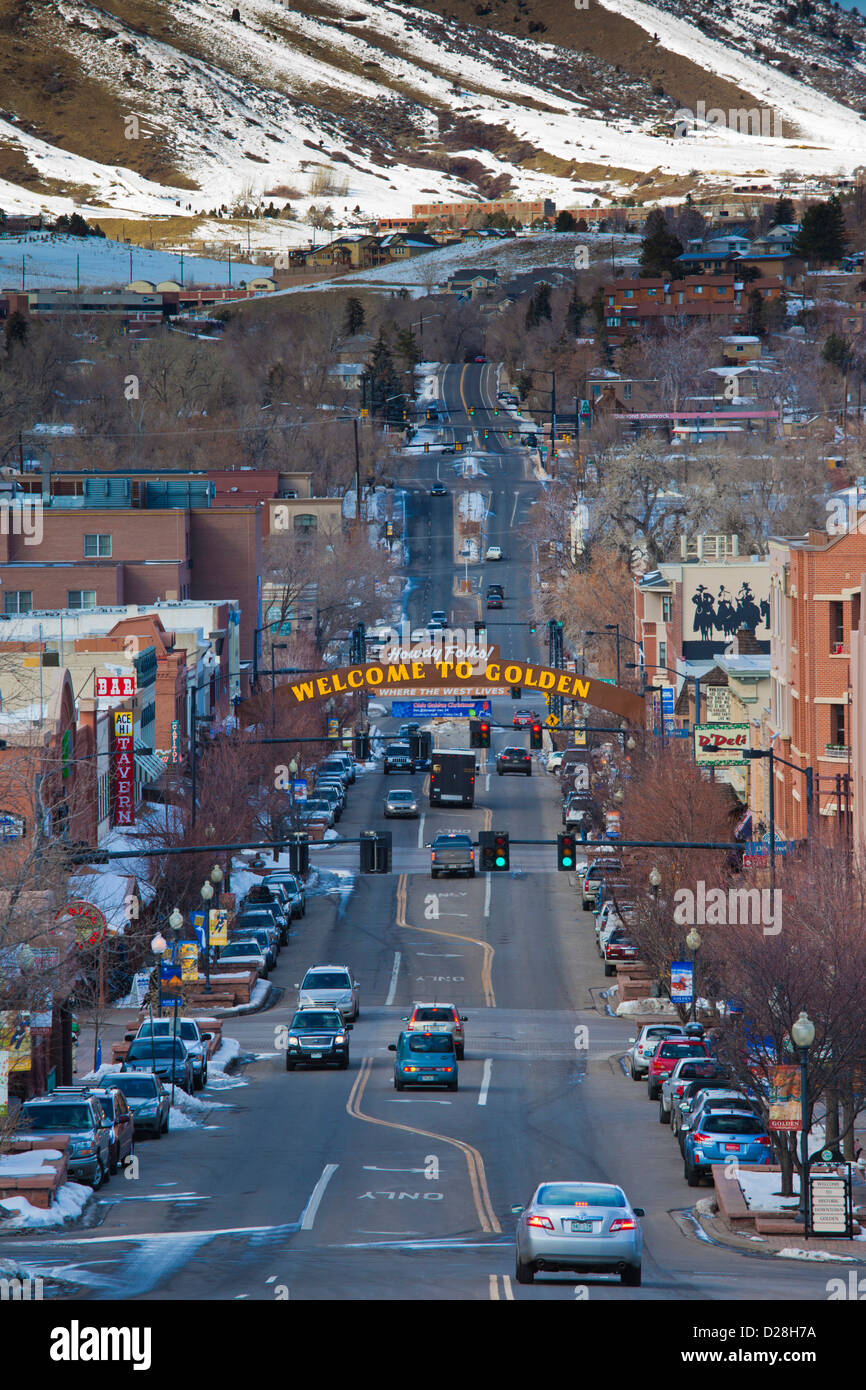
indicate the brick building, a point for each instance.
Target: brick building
{"x":631,"y":305}
{"x":525,"y":212}
{"x":815,"y":588}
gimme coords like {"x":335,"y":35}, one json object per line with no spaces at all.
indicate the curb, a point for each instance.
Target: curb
{"x":273,"y":996}
{"x":746,"y":1245}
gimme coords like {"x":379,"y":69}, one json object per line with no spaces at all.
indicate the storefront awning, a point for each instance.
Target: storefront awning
{"x":148,"y":765}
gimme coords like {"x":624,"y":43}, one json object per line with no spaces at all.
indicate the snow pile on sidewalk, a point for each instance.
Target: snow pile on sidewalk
{"x":761,"y":1191}
{"x":644,"y":1006}
{"x":17,"y":1214}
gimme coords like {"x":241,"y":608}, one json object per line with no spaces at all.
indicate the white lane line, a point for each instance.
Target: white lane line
{"x":318,"y":1192}
{"x":487,"y":783}
{"x":485,"y":1080}
{"x":506,"y":1284}
{"x":514,"y":508}
{"x":418,"y":1100}
{"x":487,"y":884}
{"x":392,"y":988}
{"x":421,"y":830}
{"x":494,"y":1286}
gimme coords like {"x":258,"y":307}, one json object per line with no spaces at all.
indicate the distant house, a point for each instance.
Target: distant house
{"x":403,"y":246}
{"x":740,"y":347}
{"x":473,"y":282}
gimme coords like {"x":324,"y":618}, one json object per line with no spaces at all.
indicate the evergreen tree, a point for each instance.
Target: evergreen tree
{"x":659,"y":248}
{"x":755,"y":313}
{"x":383,"y":381}
{"x":838,"y":353}
{"x":355,"y":317}
{"x":408,"y":350}
{"x":822,"y":235}
{"x":574,"y":313}
{"x":565,"y":221}
{"x":539,"y":305}
{"x":783,"y":213}
{"x":15,"y":330}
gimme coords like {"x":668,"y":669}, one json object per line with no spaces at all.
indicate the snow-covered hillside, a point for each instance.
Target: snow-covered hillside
{"x":181,"y":109}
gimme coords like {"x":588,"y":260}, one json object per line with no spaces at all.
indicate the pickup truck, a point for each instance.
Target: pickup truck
{"x":452,"y":854}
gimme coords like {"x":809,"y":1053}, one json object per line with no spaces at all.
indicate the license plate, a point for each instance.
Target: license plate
{"x":732,"y":1148}
{"x":316,"y":1056}
{"x":581,"y":1225}
{"x":427,"y":1078}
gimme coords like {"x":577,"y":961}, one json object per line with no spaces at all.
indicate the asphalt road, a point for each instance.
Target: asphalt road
{"x":328,"y":1185}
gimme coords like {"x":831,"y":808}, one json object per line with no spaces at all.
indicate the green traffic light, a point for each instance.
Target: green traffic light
{"x":500,"y":862}
{"x":566,"y":861}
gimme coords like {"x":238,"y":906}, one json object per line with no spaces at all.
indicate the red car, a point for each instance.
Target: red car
{"x":523,"y":718}
{"x":664,"y":1059}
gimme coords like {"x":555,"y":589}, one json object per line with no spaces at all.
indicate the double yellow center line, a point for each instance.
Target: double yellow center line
{"x":484,"y":946}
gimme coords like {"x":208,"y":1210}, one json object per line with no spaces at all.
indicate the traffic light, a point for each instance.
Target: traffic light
{"x":495,"y":854}
{"x":458,"y":446}
{"x":566,"y":857}
{"x":362,"y":747}
{"x":426,"y":448}
{"x":479,"y":733}
{"x":480,"y":631}
{"x":532,"y":627}
{"x":472,"y":410}
{"x":511,"y":434}
{"x":299,"y":852}
{"x":375,"y":851}
{"x":486,"y":434}
{"x":516,"y":692}
{"x":535,"y":735}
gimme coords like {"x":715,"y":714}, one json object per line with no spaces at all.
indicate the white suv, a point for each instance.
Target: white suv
{"x":646,"y":1043}
{"x":331,"y":987}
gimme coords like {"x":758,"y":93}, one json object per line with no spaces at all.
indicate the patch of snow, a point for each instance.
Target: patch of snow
{"x":70,"y":1201}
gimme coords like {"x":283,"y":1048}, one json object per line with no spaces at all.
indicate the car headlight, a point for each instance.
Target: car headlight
{"x":83,"y":1150}
{"x":340,"y":1038}
{"x":293,"y":1042}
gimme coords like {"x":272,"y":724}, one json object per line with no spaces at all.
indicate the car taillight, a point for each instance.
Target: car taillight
{"x":764,"y":1139}
{"x":472,"y":854}
{"x":446,"y":1068}
{"x":622,"y":1223}
{"x":543,"y":1221}
{"x":701,"y":1138}
{"x":680,"y":1090}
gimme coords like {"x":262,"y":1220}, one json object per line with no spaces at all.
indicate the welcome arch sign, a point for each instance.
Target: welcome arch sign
{"x":446,"y":675}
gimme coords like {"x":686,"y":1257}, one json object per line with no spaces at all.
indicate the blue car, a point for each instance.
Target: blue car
{"x":424,"y":1059}
{"x":723,"y":1135}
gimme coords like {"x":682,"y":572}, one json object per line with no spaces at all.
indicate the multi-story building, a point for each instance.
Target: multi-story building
{"x":631,"y":305}
{"x":525,"y":212}
{"x":815,"y":588}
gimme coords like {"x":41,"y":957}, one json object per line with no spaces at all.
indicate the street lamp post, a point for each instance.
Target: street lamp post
{"x":693,"y":941}
{"x":207,"y":892}
{"x":655,"y":879}
{"x":802,"y":1036}
{"x":175,"y":921}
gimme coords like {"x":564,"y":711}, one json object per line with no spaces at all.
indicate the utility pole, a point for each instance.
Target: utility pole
{"x":357,"y":474}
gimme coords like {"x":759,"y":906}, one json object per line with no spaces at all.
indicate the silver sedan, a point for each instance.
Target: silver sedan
{"x":400,"y":802}
{"x":587,"y":1227}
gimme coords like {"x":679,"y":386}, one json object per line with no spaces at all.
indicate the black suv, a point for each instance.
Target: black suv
{"x":81,"y":1116}
{"x":318,"y":1036}
{"x":398,"y":758}
{"x":514,"y":760}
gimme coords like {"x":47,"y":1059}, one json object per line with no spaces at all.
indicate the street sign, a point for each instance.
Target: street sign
{"x":830,"y":1204}
{"x":758,"y":849}
{"x":551,"y":721}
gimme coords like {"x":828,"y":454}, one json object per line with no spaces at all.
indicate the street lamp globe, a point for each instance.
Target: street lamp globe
{"x":693,"y":940}
{"x":630,"y":743}
{"x":159,"y":944}
{"x":619,"y":794}
{"x":293,"y":767}
{"x":175,"y":921}
{"x":207,"y":891}
{"x":216,"y":875}
{"x":803,"y":1030}
{"x":655,"y":877}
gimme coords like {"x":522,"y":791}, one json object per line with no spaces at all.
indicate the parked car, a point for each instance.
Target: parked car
{"x":514,"y":760}
{"x":554,"y":761}
{"x":687,"y":1069}
{"x":438,"y":1018}
{"x":246,"y":955}
{"x":724,"y":1134}
{"x":273,"y":894}
{"x":645,"y":1044}
{"x":494,"y":552}
{"x":664,"y":1059}
{"x":247,"y":930}
{"x":320,"y":808}
{"x":694,"y":1094}
{"x":596,"y":871}
{"x":332,"y":987}
{"x":147,"y":1098}
{"x":324,"y":792}
{"x":334,"y":766}
{"x":618,"y":949}
{"x":168,"y":1058}
{"x":425,"y":1059}
{"x":119,"y":1115}
{"x":270,"y":915}
{"x":332,"y":781}
{"x":709,"y":1102}
{"x":318,"y":1036}
{"x":195,"y":1039}
{"x":293,"y":886}
{"x":342,"y":756}
{"x":588,"y":1227}
{"x":82,"y":1117}
{"x":400,"y":802}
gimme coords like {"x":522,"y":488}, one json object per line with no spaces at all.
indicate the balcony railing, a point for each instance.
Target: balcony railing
{"x":837,"y":750}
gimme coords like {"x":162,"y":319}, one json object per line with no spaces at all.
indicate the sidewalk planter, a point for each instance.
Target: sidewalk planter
{"x":40,"y":1185}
